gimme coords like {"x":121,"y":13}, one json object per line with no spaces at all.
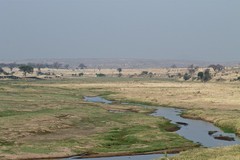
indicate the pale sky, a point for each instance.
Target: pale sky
{"x":153,"y":29}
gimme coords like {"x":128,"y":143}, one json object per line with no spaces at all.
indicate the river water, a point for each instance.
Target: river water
{"x":198,"y":131}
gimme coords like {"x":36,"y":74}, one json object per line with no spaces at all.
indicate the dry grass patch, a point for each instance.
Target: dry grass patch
{"x":224,"y":153}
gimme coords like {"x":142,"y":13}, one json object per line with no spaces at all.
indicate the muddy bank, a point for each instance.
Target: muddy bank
{"x":169,"y":152}
{"x":130,"y":155}
{"x":166,"y":151}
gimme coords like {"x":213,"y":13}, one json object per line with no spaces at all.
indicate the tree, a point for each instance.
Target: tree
{"x":82,"y":66}
{"x":80,"y":74}
{"x":66,"y":66}
{"x":217,"y":67}
{"x":207,"y":75}
{"x":26,"y":69}
{"x":1,"y":70}
{"x":191,"y":71}
{"x":150,"y":74}
{"x":99,"y":68}
{"x":119,"y":70}
{"x":12,"y":65}
{"x":57,"y":65}
{"x":191,"y":66}
{"x":144,"y":73}
{"x":200,"y":75}
{"x":38,"y":66}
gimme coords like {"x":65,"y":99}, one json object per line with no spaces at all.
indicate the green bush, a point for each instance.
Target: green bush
{"x":186,"y":76}
{"x":200,"y":75}
{"x":100,"y":75}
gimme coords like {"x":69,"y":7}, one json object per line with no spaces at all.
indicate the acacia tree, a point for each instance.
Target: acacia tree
{"x":119,"y":70}
{"x":39,"y":66}
{"x":57,"y":65}
{"x":26,"y":69}
{"x":217,"y":68}
{"x":191,"y":71}
{"x":66,"y":66}
{"x":82,"y":66}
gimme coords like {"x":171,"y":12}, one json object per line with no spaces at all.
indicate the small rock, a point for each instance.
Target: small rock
{"x":225,"y":138}
{"x":212,"y":132}
{"x":182,"y":123}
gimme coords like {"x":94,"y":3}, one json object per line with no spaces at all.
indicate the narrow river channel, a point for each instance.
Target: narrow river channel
{"x":197,"y":131}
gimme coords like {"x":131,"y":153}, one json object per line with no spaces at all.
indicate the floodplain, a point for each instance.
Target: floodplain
{"x":50,"y":119}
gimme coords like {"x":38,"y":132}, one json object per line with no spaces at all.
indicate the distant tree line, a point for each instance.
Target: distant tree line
{"x":55,"y":65}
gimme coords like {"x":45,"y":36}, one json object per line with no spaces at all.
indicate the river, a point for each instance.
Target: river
{"x":198,"y":131}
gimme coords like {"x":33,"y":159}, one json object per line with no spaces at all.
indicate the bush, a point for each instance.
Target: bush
{"x":186,"y":76}
{"x":207,"y":75}
{"x":120,"y":75}
{"x":200,"y":75}
{"x":80,"y":74}
{"x":100,"y":75}
{"x":144,"y":73}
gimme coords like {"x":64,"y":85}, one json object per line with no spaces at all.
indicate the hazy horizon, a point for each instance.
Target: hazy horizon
{"x":156,"y":29}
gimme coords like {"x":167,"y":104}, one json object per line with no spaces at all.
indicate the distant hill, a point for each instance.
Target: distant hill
{"x":123,"y":63}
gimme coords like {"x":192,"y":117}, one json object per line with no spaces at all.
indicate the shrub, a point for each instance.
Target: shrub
{"x":144,"y":73}
{"x":200,"y":75}
{"x":100,"y":75}
{"x":186,"y":76}
{"x":207,"y":75}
